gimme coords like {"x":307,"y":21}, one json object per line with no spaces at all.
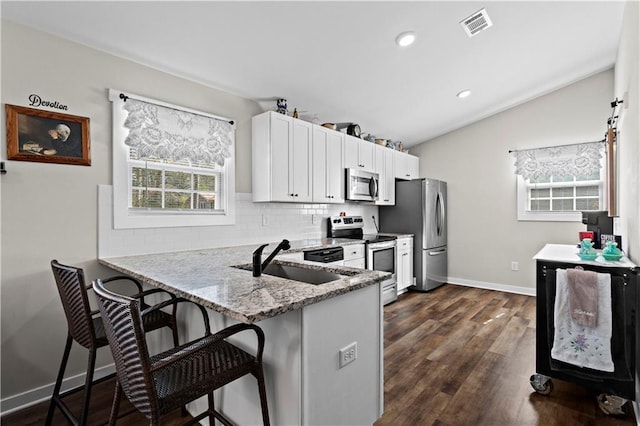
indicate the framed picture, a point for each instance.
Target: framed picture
{"x":47,"y":136}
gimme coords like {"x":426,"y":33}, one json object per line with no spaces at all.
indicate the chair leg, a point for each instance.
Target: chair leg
{"x":56,"y":388}
{"x":87,"y":386}
{"x":212,"y":410}
{"x":115,"y":405}
{"x":263,"y":396}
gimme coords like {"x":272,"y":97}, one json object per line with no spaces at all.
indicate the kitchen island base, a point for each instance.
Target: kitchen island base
{"x":305,"y":384}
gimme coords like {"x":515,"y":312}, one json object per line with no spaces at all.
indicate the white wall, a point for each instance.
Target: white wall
{"x":484,"y":235}
{"x":50,"y":210}
{"x":627,"y":77}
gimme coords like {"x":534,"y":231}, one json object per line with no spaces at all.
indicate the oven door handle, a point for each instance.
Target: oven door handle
{"x":381,"y":246}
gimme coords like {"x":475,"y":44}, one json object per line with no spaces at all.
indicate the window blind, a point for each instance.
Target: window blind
{"x":581,"y":159}
{"x":163,"y":133}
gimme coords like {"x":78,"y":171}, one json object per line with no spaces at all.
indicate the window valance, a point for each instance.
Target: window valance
{"x":160,"y":132}
{"x":577,"y":160}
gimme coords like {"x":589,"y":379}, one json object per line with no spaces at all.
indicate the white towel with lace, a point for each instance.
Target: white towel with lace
{"x":580,"y":345}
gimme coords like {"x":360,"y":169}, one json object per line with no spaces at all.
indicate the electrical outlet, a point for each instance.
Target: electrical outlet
{"x":514,"y":266}
{"x":315,"y":218}
{"x":348,"y":354}
{"x":265,"y":220}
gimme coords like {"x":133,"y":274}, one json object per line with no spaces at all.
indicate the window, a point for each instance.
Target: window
{"x":558,"y":183}
{"x":171,"y":166}
{"x":565,"y":193}
{"x":158,"y":185}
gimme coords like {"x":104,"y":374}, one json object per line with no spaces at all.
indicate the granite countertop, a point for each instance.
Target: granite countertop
{"x":569,"y":253}
{"x":207,"y":276}
{"x":317,"y":243}
{"x":393,"y":234}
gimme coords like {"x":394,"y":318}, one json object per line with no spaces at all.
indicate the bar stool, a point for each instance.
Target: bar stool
{"x":158,"y":384}
{"x":86,"y":328}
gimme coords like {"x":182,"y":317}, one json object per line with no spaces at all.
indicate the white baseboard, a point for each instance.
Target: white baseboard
{"x":527,"y":291}
{"x":43,"y":393}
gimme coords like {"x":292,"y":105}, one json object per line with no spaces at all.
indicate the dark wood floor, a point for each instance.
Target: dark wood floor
{"x":455,"y":356}
{"x":463,"y":356}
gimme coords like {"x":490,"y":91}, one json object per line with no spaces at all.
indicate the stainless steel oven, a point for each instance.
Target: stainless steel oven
{"x":381,"y":256}
{"x":380,"y":250}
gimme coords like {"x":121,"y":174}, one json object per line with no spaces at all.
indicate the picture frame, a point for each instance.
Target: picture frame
{"x":47,"y":136}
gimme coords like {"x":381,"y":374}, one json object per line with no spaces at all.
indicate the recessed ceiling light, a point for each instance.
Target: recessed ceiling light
{"x":464,"y":93}
{"x":406,"y":38}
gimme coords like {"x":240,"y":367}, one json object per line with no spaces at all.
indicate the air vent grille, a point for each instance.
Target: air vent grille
{"x":476,"y":22}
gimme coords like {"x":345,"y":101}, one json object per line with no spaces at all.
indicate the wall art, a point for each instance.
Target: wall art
{"x":46,"y":136}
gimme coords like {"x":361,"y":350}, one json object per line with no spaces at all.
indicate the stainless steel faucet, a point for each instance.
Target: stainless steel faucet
{"x":258,"y":265}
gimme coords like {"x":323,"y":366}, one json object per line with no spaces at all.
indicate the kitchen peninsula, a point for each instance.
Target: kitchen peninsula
{"x":306,"y":327}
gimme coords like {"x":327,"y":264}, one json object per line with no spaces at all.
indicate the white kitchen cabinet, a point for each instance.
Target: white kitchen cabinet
{"x":354,"y":255}
{"x":282,"y":158}
{"x":404,"y":263}
{"x":328,"y":166}
{"x":407,"y":167}
{"x":386,"y":170}
{"x":358,"y":154}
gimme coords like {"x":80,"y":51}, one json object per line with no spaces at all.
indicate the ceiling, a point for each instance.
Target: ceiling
{"x":338,"y":60}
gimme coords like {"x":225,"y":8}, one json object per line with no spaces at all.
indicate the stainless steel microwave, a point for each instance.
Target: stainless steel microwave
{"x":362,"y":185}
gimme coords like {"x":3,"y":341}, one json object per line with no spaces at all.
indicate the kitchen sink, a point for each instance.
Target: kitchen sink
{"x":297,"y":273}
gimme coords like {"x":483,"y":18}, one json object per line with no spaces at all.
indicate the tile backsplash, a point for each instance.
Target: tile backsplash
{"x":255,"y":223}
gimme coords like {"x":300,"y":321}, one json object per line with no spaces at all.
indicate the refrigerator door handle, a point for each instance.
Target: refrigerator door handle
{"x":438,"y":219}
{"x":437,"y":252}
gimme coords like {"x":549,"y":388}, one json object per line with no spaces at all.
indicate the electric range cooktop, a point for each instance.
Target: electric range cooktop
{"x":351,"y":227}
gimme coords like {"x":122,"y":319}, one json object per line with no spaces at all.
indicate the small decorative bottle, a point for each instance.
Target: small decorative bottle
{"x":611,"y":251}
{"x":587,"y":252}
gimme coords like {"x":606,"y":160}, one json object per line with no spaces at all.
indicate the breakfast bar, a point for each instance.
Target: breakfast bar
{"x":307,"y":327}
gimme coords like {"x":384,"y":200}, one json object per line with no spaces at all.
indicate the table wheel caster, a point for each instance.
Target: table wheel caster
{"x":612,"y":405}
{"x":541,"y":384}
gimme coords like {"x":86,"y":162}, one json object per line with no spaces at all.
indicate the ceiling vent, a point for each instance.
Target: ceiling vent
{"x":477,"y":22}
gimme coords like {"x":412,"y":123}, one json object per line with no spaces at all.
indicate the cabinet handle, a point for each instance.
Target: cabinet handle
{"x":407,"y":175}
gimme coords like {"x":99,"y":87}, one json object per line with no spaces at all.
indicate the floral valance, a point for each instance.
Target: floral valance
{"x":577,"y":160}
{"x":166,"y":133}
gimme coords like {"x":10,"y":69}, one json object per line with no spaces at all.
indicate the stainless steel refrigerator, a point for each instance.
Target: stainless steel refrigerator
{"x":421,"y":210}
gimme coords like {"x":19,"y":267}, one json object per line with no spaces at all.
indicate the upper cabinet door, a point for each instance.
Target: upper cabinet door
{"x":407,"y":166}
{"x":335,"y":167}
{"x":351,"y":153}
{"x":328,"y":167}
{"x":300,"y":161}
{"x":280,"y":158}
{"x":358,"y":154}
{"x":385,"y":169}
{"x":367,"y":155}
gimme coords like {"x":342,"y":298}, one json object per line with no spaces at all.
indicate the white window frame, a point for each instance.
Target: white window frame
{"x":524,"y":214}
{"x":125,"y":217}
{"x":165,"y":167}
